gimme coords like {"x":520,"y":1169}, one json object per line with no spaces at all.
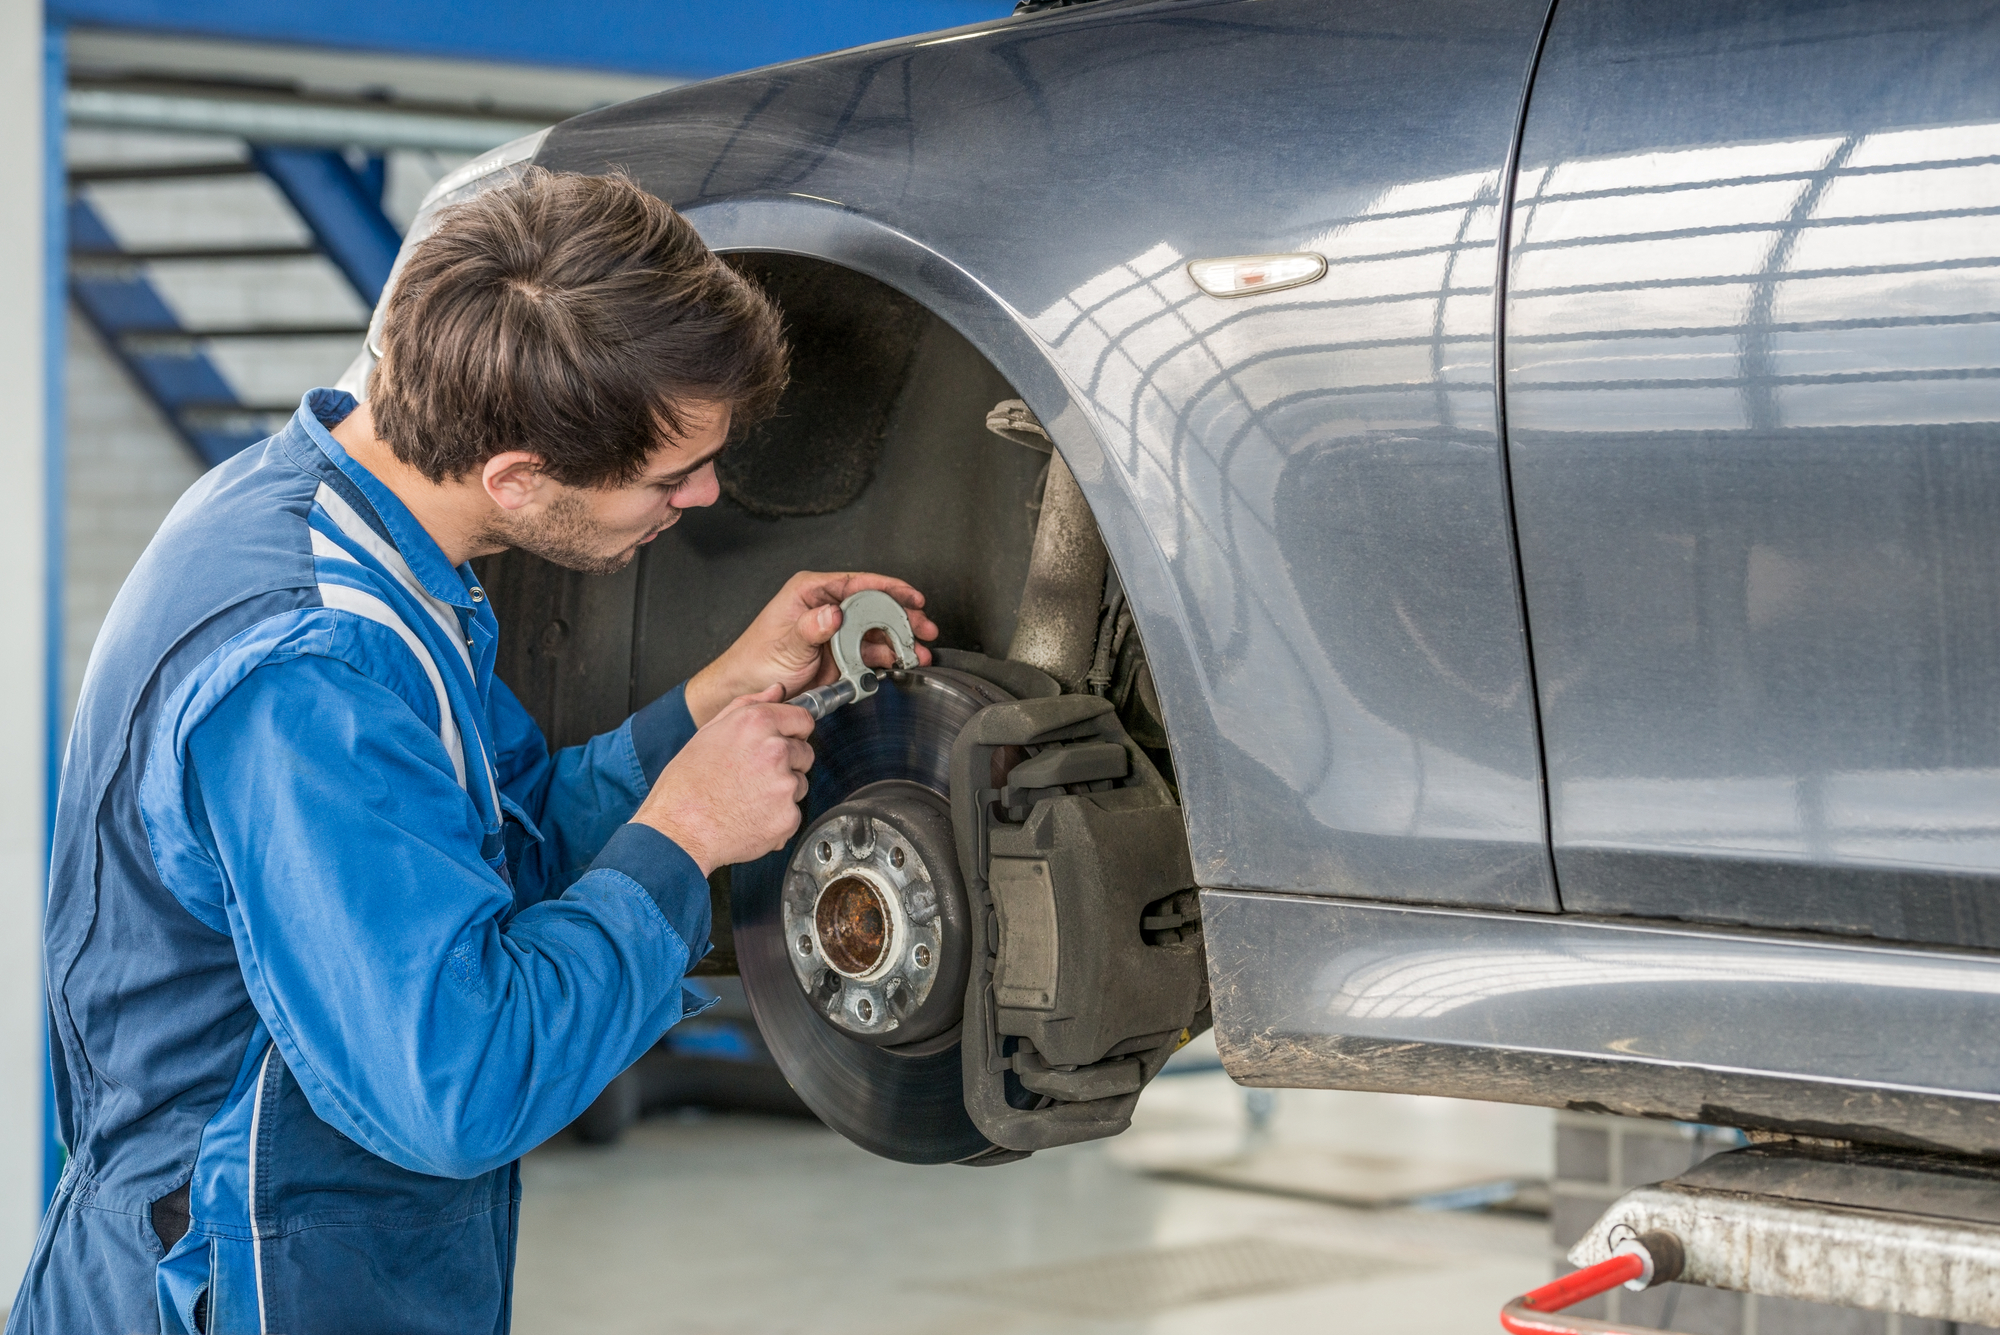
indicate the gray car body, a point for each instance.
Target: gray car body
{"x":1584,"y":687}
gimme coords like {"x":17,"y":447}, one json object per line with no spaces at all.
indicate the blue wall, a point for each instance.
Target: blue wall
{"x":689,"y":38}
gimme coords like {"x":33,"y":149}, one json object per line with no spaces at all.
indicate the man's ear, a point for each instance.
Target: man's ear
{"x":514,"y":479}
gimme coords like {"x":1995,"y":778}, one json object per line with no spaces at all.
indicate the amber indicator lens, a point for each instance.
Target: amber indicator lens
{"x":1247,"y":275}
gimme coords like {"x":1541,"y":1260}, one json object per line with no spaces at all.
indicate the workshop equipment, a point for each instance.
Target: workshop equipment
{"x":1638,"y":1262}
{"x":1848,"y":1226}
{"x":871,"y":609}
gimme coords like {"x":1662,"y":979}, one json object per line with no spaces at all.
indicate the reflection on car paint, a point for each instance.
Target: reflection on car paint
{"x":1211,"y":407}
{"x":1915,"y":219}
{"x":1752,"y":390}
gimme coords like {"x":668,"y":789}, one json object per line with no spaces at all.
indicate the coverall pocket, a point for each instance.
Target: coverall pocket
{"x":184,"y":1276}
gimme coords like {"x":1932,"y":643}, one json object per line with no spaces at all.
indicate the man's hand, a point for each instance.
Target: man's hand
{"x":786,"y":644}
{"x":732,"y":793}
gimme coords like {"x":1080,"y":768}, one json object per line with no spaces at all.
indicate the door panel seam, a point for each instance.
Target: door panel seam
{"x":1509,"y":178}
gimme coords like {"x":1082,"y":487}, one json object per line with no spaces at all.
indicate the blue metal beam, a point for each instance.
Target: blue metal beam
{"x":340,"y":207}
{"x":169,"y":365}
{"x":687,"y":38}
{"x":345,"y":214}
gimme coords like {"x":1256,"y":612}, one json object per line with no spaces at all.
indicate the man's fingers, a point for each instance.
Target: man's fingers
{"x":921,"y":626}
{"x":798,"y":754}
{"x":818,"y":588}
{"x":821,"y":595}
{"x":799,"y":791}
{"x":793,"y":721}
{"x":817,"y":626}
{"x":878,"y":654}
{"x":785,"y":720}
{"x":769,"y":695}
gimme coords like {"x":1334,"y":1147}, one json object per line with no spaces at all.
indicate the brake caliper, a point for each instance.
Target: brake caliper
{"x":1088,"y":970}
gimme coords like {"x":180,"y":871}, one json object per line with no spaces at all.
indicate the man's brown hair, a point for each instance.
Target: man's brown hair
{"x":575,"y":317}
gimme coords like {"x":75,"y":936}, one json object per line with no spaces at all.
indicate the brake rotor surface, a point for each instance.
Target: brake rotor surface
{"x":902,"y":1103}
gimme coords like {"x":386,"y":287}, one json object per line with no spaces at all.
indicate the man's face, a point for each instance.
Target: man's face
{"x":598,"y":530}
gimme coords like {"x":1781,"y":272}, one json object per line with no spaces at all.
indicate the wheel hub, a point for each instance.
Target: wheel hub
{"x":862,"y":916}
{"x":851,"y":924}
{"x":855,"y":960}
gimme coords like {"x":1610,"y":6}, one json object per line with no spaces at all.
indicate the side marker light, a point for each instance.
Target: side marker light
{"x":1247,"y":275}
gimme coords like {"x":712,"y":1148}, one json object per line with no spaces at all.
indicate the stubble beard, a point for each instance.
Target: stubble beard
{"x":564,"y":534}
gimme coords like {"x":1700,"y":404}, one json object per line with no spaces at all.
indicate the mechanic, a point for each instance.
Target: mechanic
{"x":332,"y":938}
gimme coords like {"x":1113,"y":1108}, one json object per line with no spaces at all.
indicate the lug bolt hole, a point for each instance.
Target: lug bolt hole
{"x":922,"y":956}
{"x":864,"y":1009}
{"x":805,"y":944}
{"x":896,"y":857}
{"x":825,"y":851}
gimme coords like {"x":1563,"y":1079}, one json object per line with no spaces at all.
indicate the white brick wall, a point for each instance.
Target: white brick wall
{"x":126,"y":470}
{"x":23,"y":702}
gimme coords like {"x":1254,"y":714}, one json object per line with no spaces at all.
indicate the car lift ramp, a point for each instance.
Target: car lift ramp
{"x":340,"y":208}
{"x":1886,"y":1230}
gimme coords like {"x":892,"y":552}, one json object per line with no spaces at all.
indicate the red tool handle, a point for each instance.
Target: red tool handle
{"x":1533,"y":1312}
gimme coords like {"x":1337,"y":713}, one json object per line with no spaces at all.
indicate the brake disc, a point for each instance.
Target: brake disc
{"x":853,"y":941}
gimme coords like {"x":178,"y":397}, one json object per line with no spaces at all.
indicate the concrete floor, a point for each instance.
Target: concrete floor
{"x":738,"y":1225}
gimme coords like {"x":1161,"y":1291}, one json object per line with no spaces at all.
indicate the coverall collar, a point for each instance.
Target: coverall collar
{"x":322,"y":409}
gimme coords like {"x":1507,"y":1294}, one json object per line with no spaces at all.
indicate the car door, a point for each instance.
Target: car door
{"x":1752,"y":379}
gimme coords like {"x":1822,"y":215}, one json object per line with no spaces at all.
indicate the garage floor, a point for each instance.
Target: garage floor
{"x":740,"y":1225}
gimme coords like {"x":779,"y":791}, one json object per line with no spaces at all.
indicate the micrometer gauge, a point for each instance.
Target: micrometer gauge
{"x":871,"y":609}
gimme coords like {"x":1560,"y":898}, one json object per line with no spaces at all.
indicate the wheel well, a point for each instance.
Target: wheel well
{"x":877,"y":459}
{"x":880,"y":457}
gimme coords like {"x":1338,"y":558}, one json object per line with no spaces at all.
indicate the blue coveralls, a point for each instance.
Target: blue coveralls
{"x":332,"y":939}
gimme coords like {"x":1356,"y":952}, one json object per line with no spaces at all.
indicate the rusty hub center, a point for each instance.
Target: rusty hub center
{"x":866,"y":928}
{"x":852,"y":923}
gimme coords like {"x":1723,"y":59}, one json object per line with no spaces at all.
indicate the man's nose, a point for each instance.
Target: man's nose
{"x":700,"y":490}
